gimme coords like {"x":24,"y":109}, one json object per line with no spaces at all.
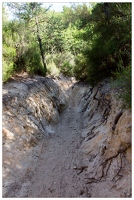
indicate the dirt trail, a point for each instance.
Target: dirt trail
{"x":56,"y":170}
{"x":78,"y":154}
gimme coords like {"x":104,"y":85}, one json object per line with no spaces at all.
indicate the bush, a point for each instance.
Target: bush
{"x":67,"y":69}
{"x":62,"y":63}
{"x":123,"y":83}
{"x":7,"y":71}
{"x":109,"y":41}
{"x":30,"y":61}
{"x":8,"y":58}
{"x":52,"y":69}
{"x":80,"y":68}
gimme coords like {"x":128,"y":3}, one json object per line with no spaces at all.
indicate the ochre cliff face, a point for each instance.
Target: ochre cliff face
{"x":31,"y":110}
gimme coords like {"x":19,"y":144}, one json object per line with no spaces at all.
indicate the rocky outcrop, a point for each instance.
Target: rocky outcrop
{"x":31,"y":107}
{"x":106,"y":142}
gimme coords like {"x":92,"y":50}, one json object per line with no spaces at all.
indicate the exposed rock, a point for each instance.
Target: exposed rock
{"x":108,"y":149}
{"x":83,"y":151}
{"x":30,"y":107}
{"x":7,"y":134}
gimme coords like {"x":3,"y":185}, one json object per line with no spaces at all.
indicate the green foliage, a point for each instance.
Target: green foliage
{"x":112,"y":40}
{"x":52,"y":33}
{"x":20,"y":47}
{"x":67,"y":69}
{"x":88,"y":42}
{"x":30,"y":61}
{"x":58,"y":33}
{"x":60,"y":63}
{"x":123,"y":83}
{"x":64,"y":62}
{"x":8,"y":51}
{"x":80,"y":68}
{"x":8,"y":70}
{"x":52,"y":69}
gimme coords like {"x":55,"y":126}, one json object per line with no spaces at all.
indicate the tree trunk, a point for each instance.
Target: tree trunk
{"x":40,"y":45}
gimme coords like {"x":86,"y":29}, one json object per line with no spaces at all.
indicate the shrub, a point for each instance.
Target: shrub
{"x":7,"y":71}
{"x":30,"y":61}
{"x":123,"y":83}
{"x":63,"y":63}
{"x":51,"y":67}
{"x":67,"y":69}
{"x":8,"y":58}
{"x":80,"y":68}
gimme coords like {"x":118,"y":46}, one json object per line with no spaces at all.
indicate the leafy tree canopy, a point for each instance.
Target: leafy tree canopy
{"x":89,"y":41}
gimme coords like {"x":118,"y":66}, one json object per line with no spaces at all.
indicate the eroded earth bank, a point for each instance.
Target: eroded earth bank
{"x":63,"y":138}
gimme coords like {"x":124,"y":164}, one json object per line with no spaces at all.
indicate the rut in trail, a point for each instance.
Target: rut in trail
{"x":59,"y":140}
{"x":55,"y":174}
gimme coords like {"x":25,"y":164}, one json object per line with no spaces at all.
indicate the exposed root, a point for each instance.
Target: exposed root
{"x":91,"y":134}
{"x":81,"y":169}
{"x":92,"y":180}
{"x":106,"y":166}
{"x":103,"y":101}
{"x":117,"y":174}
{"x":86,"y":96}
{"x":120,"y":153}
{"x":117,"y":119}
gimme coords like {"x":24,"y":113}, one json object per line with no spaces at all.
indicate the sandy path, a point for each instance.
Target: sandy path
{"x":55,"y":174}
